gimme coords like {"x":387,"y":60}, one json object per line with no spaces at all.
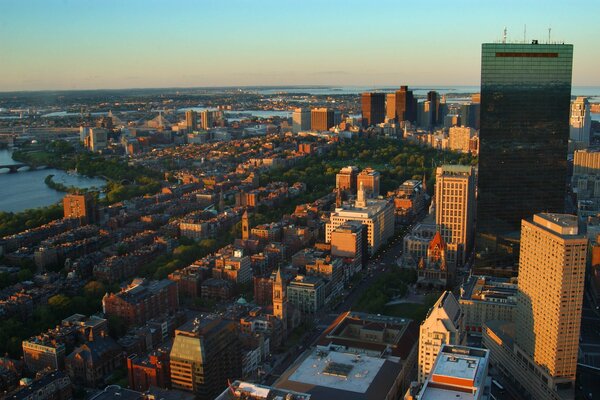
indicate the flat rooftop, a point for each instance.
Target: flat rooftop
{"x":329,"y":375}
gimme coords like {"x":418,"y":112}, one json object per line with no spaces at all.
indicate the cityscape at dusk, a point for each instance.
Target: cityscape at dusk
{"x":276,"y":200}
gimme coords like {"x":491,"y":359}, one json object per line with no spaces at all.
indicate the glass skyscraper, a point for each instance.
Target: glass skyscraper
{"x":525,"y":102}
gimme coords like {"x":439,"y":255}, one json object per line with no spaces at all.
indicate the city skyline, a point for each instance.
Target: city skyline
{"x":79,"y":45}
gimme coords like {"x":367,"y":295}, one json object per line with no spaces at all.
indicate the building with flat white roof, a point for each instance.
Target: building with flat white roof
{"x":459,"y":373}
{"x":240,"y":390}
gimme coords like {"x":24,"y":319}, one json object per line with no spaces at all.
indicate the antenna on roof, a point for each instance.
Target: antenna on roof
{"x":504,"y":36}
{"x":549,"y":31}
{"x":525,"y":33}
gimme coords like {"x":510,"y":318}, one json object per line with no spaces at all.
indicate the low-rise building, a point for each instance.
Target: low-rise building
{"x":484,"y":298}
{"x":142,"y":300}
{"x":306,"y":293}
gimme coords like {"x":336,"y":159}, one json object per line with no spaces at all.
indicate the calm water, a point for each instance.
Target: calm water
{"x":27,"y":189}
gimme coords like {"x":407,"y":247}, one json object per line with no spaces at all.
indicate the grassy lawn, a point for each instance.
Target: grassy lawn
{"x":414,"y":311}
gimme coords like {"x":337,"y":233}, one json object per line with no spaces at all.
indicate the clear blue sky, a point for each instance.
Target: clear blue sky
{"x":79,"y":44}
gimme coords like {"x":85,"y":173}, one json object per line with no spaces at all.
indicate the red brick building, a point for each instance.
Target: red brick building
{"x":142,"y":300}
{"x":152,"y":370}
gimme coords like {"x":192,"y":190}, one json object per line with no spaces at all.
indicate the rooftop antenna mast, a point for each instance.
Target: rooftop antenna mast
{"x":525,"y":33}
{"x":549,"y":32}
{"x":504,"y":36}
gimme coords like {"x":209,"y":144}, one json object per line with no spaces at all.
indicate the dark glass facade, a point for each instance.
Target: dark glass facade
{"x":525,"y":101}
{"x":373,"y":108}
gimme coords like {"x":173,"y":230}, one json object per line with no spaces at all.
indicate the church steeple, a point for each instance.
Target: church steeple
{"x":280,"y":300}
{"x":245,"y":226}
{"x":361,"y":196}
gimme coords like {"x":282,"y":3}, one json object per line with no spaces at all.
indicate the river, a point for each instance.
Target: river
{"x":27,"y":189}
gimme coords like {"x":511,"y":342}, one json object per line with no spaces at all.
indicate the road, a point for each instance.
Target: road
{"x":381,"y":261}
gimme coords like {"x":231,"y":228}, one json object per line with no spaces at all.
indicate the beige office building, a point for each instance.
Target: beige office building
{"x":455,"y":211}
{"x":586,"y":162}
{"x":540,"y":348}
{"x":377,"y":215}
{"x":443,"y":325}
{"x":459,"y":138}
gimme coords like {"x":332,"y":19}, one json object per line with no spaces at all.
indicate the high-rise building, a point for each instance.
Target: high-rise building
{"x":455,"y":211}
{"x":469,"y":115}
{"x":300,"y":120}
{"x":551,"y":278}
{"x":349,"y":241}
{"x":580,"y":123}
{"x":373,"y":108}
{"x":539,"y":350}
{"x":525,"y":101}
{"x":459,"y":138}
{"x":377,"y":215}
{"x":346,"y":179}
{"x":207,"y":119}
{"x":205,"y":355}
{"x":97,"y":139}
{"x":435,"y":116}
{"x":370,"y":181}
{"x":191,"y":120}
{"x":443,"y":325}
{"x":80,"y":206}
{"x":321,"y":119}
{"x":401,"y":105}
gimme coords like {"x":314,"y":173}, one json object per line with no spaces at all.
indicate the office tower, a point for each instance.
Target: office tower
{"x":539,"y":350}
{"x":401,"y":105}
{"x":84,"y":132}
{"x":346,"y":178}
{"x":580,"y":123}
{"x":469,"y":115}
{"x":459,"y":138}
{"x":373,"y":108}
{"x":551,"y":277}
{"x":443,"y":325}
{"x":97,"y":139}
{"x":300,"y":120}
{"x":205,"y":356}
{"x":208,"y":119}
{"x":525,"y":100}
{"x":586,"y":162}
{"x":349,"y":241}
{"x":455,"y":211}
{"x":370,"y":181}
{"x":433,"y":98}
{"x":280,"y":301}
{"x":191,"y":120}
{"x":377,"y":215}
{"x":424,"y":115}
{"x":321,"y":119}
{"x":80,"y":206}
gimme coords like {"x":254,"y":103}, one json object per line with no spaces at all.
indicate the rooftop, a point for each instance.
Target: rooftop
{"x":459,"y":372}
{"x":245,"y":390}
{"x":329,"y":375}
{"x":561,"y":224}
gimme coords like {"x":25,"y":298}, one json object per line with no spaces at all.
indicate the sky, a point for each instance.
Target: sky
{"x":100,"y":44}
